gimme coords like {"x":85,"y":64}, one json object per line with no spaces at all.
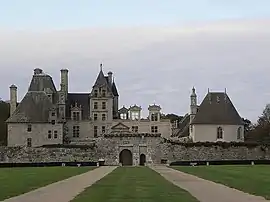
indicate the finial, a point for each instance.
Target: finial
{"x":100,"y":66}
{"x":208,"y":90}
{"x":225,"y":91}
{"x":193,"y":90}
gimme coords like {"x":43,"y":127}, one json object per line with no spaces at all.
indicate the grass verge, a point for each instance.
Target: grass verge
{"x":16,"y":181}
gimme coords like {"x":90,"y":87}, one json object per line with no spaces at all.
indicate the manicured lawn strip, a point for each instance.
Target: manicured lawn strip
{"x":251,"y":179}
{"x":16,"y":181}
{"x":134,"y":184}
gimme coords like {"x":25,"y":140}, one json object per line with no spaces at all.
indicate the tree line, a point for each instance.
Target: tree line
{"x":254,"y":132}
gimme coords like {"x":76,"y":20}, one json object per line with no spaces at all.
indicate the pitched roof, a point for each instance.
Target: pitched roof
{"x":114,"y":89}
{"x":217,"y":108}
{"x":101,"y":80}
{"x":183,"y":127}
{"x":41,"y":82}
{"x":81,"y":99}
{"x":34,"y":108}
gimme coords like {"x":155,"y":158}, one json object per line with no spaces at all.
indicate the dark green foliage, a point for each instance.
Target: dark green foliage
{"x":172,"y":117}
{"x":88,"y":146}
{"x":4,"y":114}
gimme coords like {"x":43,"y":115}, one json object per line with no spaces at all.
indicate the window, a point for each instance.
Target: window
{"x":95,"y":117}
{"x":76,"y":131}
{"x":154,"y":129}
{"x":123,"y":116}
{"x":134,"y":115}
{"x":95,"y":131}
{"x":103,"y":117}
{"x":239,"y":133}
{"x":76,"y":116}
{"x":55,"y":134}
{"x":49,"y":134}
{"x":29,"y":142}
{"x":218,"y":99}
{"x":95,"y":105}
{"x":95,"y":93}
{"x":135,"y":129}
{"x":53,"y":113}
{"x":219,"y":133}
{"x":103,"y":129}
{"x":53,"y":122}
{"x":29,"y":128}
{"x":103,"y":105}
{"x":103,"y":93}
{"x":154,"y":117}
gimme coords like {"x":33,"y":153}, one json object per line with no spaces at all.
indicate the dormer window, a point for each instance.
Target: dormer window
{"x":95,"y":93}
{"x":123,"y":116}
{"x":154,"y":117}
{"x":53,"y":113}
{"x":76,"y":116}
{"x":103,"y":93}
{"x":135,"y":115}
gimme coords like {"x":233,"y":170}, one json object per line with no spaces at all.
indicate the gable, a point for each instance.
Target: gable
{"x":120,"y":126}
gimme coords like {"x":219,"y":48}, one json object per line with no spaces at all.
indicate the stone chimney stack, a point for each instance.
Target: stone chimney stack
{"x":110,"y":77}
{"x":13,"y":98}
{"x":64,"y":81}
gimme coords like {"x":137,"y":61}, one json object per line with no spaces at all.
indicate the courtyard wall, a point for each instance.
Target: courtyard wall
{"x":155,"y":150}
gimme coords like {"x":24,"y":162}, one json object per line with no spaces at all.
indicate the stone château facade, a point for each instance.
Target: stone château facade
{"x":47,"y":116}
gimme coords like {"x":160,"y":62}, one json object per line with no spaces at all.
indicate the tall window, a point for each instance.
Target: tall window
{"x":29,"y":128}
{"x":55,"y":134}
{"x":95,"y":93}
{"x":103,"y":93}
{"x":76,"y":116}
{"x":219,"y":133}
{"x":239,"y":133}
{"x":154,"y":117}
{"x":95,"y":105}
{"x":29,"y":142}
{"x":103,"y":105}
{"x":134,"y":115}
{"x":49,"y":134}
{"x":103,"y":117}
{"x":135,"y":129}
{"x":154,"y":129}
{"x":95,"y":131}
{"x":95,"y":117}
{"x":76,"y":131}
{"x":123,"y":116}
{"x":53,"y":113}
{"x":103,"y":129}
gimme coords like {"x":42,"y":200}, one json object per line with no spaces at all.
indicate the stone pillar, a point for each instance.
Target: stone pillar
{"x":13,"y":98}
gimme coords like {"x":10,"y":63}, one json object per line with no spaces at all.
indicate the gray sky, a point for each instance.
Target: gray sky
{"x":150,"y":64}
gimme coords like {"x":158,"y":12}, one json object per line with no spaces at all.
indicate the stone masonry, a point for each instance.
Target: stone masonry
{"x":154,"y":149}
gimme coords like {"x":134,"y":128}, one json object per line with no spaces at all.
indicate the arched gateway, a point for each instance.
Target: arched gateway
{"x":125,"y":157}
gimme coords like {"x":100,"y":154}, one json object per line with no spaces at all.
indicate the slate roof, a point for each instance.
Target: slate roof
{"x":217,"y":108}
{"x":183,"y":127}
{"x":34,"y":108}
{"x":41,"y":82}
{"x":82,"y":99}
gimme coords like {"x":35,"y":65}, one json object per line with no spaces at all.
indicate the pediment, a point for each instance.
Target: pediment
{"x":120,"y":126}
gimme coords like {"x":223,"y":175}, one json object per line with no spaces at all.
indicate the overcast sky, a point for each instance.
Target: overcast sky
{"x":157,"y":50}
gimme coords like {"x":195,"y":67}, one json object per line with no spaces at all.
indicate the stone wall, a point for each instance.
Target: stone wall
{"x":154,"y":148}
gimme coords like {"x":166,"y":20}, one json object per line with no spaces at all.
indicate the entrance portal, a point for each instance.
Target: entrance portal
{"x":125,"y":157}
{"x":142,"y":159}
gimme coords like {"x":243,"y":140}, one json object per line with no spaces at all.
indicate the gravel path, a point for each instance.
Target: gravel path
{"x":66,"y":190}
{"x":204,"y":190}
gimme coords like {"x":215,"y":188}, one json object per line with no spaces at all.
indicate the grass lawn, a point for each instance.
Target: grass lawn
{"x":134,"y":184}
{"x":251,"y":179}
{"x":16,"y":181}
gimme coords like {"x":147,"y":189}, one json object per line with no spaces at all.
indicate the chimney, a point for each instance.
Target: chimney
{"x":13,"y":98}
{"x":64,"y":80}
{"x":110,"y":77}
{"x":38,"y":71}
